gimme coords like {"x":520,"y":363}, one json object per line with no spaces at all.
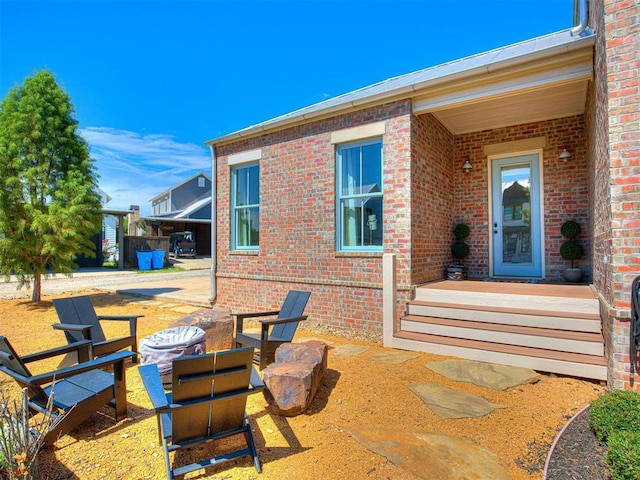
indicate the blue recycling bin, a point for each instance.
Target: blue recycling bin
{"x":144,"y":260}
{"x":157,"y":259}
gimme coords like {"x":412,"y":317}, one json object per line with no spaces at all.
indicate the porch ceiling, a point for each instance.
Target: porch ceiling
{"x":528,"y":106}
{"x":553,"y":88}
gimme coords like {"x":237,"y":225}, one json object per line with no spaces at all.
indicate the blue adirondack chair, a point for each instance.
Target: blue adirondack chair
{"x":207,"y":401}
{"x":79,"y":321}
{"x":78,"y":391}
{"x":275,"y":331}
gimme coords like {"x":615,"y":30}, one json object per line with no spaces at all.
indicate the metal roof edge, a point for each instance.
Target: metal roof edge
{"x":175,"y":220}
{"x":316,"y":111}
{"x":115,"y":211}
{"x":193,"y":207}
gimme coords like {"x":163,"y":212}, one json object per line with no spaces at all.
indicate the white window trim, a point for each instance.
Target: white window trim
{"x":361,"y":132}
{"x":233,"y":227}
{"x":341,"y":248}
{"x":245,"y":157}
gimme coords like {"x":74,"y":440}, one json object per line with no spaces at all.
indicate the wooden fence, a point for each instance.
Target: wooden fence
{"x":143,"y":244}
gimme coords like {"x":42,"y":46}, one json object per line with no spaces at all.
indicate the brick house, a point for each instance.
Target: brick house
{"x":355,"y":198}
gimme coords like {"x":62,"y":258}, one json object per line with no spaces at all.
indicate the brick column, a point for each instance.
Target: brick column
{"x":622,"y":49}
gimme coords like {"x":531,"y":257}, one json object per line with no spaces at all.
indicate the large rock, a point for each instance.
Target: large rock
{"x":311,"y":351}
{"x":217,"y":324}
{"x":293,"y":380}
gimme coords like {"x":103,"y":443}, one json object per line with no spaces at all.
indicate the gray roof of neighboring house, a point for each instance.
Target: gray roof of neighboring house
{"x":409,"y":84}
{"x":201,"y":173}
{"x":194,"y":207}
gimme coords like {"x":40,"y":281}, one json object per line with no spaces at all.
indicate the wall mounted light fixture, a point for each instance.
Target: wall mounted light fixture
{"x":564,"y":155}
{"x":467,"y":167}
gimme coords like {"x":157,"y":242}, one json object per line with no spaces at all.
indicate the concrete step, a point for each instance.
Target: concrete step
{"x":574,"y":364}
{"x":526,"y":336}
{"x":565,"y":300}
{"x":510,"y":315}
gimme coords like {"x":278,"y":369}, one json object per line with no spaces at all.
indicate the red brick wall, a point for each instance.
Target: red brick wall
{"x":565,"y":189}
{"x":297,"y":223}
{"x":431,"y":207}
{"x":623,"y":76}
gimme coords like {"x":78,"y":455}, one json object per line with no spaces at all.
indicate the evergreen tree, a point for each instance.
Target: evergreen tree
{"x":49,"y":208}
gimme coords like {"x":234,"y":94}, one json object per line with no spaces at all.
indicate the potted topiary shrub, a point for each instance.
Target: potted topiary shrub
{"x":571,"y":250}
{"x":460,"y":250}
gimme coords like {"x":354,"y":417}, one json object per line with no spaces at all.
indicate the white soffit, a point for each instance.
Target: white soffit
{"x":511,"y":98}
{"x":531,"y":106}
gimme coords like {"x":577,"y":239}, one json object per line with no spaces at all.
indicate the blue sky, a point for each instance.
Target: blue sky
{"x":151,"y":81}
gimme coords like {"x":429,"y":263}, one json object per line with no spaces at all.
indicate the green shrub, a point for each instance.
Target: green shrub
{"x":615,"y":412}
{"x":571,"y":250}
{"x":623,"y":455}
{"x":461,"y":231}
{"x":460,"y":250}
{"x":570,"y":229}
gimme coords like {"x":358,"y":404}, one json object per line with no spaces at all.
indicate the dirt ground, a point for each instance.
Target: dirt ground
{"x":357,"y":392}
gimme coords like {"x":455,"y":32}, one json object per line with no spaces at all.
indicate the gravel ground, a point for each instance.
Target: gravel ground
{"x":356,"y":391}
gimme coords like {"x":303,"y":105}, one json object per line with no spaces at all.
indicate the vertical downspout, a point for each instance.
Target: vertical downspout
{"x":580,"y":18}
{"x":214,"y":241}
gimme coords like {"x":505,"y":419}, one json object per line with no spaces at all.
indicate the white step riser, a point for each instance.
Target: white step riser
{"x":506,"y":300}
{"x":547,"y":343}
{"x":559,"y":323}
{"x":595,"y":372}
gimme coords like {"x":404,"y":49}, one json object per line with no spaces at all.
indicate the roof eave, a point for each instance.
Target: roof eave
{"x":406,"y":91}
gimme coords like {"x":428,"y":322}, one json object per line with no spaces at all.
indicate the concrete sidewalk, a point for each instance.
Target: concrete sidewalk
{"x":193,"y":287}
{"x":189,"y":290}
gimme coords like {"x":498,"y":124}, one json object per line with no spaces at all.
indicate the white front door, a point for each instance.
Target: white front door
{"x":516,"y":216}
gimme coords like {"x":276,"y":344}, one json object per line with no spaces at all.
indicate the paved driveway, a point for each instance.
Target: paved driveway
{"x":191,"y":285}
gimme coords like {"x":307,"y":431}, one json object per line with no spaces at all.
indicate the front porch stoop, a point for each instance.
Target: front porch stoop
{"x":552,"y":328}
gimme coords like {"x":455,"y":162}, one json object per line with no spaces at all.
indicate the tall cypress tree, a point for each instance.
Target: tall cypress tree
{"x":49,"y":208}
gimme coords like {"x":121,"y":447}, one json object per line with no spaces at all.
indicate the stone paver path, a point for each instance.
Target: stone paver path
{"x":350,"y":350}
{"x":496,"y":377}
{"x":395,"y":357}
{"x":448,"y":403}
{"x":432,"y":455}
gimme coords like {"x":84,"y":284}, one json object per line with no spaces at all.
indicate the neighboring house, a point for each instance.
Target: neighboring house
{"x":184,"y":207}
{"x":103,"y":240}
{"x":188,"y":199}
{"x":109,"y":223}
{"x":355,"y":198}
